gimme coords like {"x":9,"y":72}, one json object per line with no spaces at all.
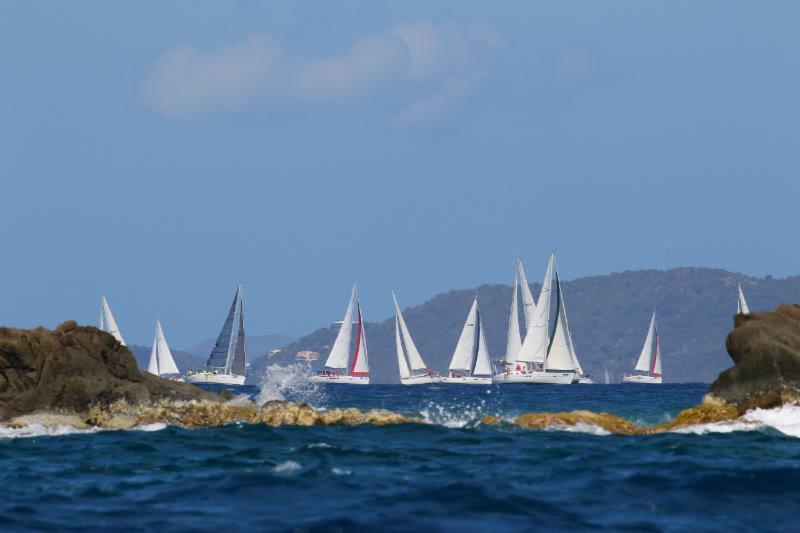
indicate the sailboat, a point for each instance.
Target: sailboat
{"x":606,"y":379}
{"x":107,"y":322}
{"x":530,"y":364}
{"x":561,"y":355}
{"x":357,"y":373}
{"x":161,"y":361}
{"x":649,"y":360}
{"x":227,"y":364}
{"x":413,"y":370}
{"x":470,"y":364}
{"x":741,"y":304}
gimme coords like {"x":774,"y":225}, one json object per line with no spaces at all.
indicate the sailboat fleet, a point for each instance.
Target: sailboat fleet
{"x":541,"y":353}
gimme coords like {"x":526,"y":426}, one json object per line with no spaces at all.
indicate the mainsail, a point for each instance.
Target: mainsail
{"x":161,"y":361}
{"x":561,"y":353}
{"x":228,"y":354}
{"x":401,"y":356}
{"x":471,"y":353}
{"x":528,"y":305}
{"x":340,"y":352}
{"x":360,"y":359}
{"x":650,"y":358}
{"x":513,"y":342}
{"x":606,"y":380}
{"x":741,"y":304}
{"x":107,"y":322}
{"x":534,"y":347}
{"x":403,"y":337}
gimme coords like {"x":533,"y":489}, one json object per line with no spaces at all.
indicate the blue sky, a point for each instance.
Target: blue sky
{"x":160,"y":152}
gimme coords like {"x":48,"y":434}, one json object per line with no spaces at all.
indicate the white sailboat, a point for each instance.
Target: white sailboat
{"x":741,"y":304}
{"x":413,"y":370}
{"x":227,"y":364}
{"x":470,"y":364}
{"x":513,"y":339}
{"x":107,"y":322}
{"x":649,"y":362}
{"x":161,"y":361}
{"x":606,"y":379}
{"x":530,"y":365}
{"x":337,"y":362}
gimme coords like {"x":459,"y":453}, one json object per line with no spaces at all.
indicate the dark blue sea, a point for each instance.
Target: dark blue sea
{"x":452,"y":474}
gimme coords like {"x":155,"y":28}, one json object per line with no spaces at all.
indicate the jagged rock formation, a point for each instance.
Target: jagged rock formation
{"x":765,"y":348}
{"x":73,"y":368}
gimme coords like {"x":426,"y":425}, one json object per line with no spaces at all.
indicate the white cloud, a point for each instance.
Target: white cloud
{"x":436,"y":66}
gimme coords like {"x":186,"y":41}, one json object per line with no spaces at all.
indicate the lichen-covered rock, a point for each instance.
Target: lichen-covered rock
{"x":73,"y":368}
{"x":765,"y":348}
{"x":606,"y":421}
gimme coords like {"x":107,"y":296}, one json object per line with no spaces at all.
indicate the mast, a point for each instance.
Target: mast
{"x":513,"y":342}
{"x":340,"y":352}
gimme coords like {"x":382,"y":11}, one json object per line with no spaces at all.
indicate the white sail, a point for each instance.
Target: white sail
{"x":483,"y":365}
{"x":161,"y":361}
{"x":606,"y":380}
{"x":534,"y":347}
{"x":414,"y":358}
{"x":107,"y":322}
{"x":528,"y":305}
{"x":360,"y":356}
{"x":401,"y":356}
{"x":513,"y":342}
{"x":560,"y":355}
{"x":646,"y":357}
{"x":340,"y":352}
{"x":741,"y":305}
{"x":465,"y":349}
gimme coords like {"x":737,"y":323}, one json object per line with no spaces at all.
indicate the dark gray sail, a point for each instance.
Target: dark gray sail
{"x":219,"y":355}
{"x":239,"y":360}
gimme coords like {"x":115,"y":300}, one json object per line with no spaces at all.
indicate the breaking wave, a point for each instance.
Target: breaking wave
{"x":288,"y":383}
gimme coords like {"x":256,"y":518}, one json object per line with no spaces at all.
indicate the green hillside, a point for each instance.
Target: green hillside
{"x":608,"y":317}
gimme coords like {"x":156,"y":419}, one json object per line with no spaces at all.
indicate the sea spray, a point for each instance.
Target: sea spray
{"x":289,"y":383}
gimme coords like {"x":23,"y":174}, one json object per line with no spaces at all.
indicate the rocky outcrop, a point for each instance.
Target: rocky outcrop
{"x":765,"y":348}
{"x":73,"y":368}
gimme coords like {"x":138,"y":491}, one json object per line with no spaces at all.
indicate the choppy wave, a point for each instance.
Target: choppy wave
{"x":784,"y":419}
{"x":289,"y":382}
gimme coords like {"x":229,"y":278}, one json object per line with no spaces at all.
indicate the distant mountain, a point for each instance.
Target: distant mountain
{"x":257,"y":345}
{"x":608,"y":317}
{"x":184,"y":360}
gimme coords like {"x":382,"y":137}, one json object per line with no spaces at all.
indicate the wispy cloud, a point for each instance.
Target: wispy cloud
{"x":435,"y":65}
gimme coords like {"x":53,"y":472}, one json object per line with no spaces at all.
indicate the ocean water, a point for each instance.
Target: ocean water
{"x":451,"y":474}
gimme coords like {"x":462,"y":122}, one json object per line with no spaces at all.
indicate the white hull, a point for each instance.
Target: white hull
{"x":586,"y":381}
{"x":216,"y":379}
{"x":467,"y":380}
{"x":342,"y":380}
{"x":420,"y":380}
{"x":536,"y":377}
{"x":640,"y":378}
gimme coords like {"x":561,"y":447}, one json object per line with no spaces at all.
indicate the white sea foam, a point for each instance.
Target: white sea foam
{"x":340,"y":471}
{"x":157,"y":426}
{"x":282,"y":382}
{"x":785,"y":419}
{"x":580,"y":427}
{"x":42,"y":430}
{"x":286,"y":467}
{"x":319,"y":445}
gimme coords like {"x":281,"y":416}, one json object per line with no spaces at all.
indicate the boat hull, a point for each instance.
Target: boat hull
{"x":467,"y":380}
{"x":586,"y":381}
{"x":420,"y":380}
{"x":215,"y":379}
{"x":639,"y":378}
{"x":341,"y":380}
{"x":536,"y":378}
